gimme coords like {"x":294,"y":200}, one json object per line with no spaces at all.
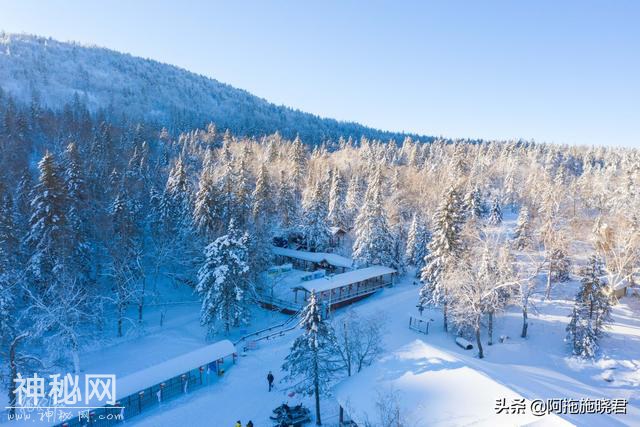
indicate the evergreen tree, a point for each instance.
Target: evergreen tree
{"x":445,"y":249}
{"x":124,"y":249}
{"x":473,"y":204}
{"x":311,"y":363}
{"x":591,"y":313}
{"x":298,"y":160}
{"x":262,"y":197}
{"x":373,"y":241}
{"x":9,"y":242}
{"x":523,"y":236}
{"x":495,"y":216}
{"x":223,"y":281}
{"x":581,"y":335}
{"x":560,"y":265}
{"x":417,"y":243}
{"x":353,"y":200}
{"x":314,"y":219}
{"x":287,"y":205}
{"x":48,"y":236}
{"x":180,"y":252}
{"x":77,"y":212}
{"x":206,"y":212}
{"x":243,"y":191}
{"x":337,"y":216}
{"x":226,"y":191}
{"x":593,"y":298}
{"x":6,"y":296}
{"x":22,"y":201}
{"x":176,"y":201}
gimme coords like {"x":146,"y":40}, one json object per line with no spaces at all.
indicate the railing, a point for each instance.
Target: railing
{"x":280,"y":303}
{"x":344,"y":297}
{"x":270,"y":329}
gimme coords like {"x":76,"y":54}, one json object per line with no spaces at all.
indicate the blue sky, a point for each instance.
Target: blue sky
{"x":555,"y":71}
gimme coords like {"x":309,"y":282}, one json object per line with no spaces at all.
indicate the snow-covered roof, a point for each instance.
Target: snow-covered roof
{"x":344,"y":279}
{"x":336,"y":230}
{"x":171,"y":368}
{"x":317,"y":257}
{"x":432,"y":388}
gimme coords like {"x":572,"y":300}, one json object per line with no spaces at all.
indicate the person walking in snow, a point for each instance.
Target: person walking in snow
{"x":270,"y":380}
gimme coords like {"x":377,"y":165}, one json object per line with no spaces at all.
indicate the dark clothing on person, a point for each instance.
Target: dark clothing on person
{"x":270,"y":380}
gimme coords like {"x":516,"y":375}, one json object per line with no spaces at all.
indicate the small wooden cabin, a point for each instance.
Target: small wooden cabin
{"x":311,"y":261}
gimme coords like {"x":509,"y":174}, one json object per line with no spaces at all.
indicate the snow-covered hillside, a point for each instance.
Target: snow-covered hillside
{"x":144,"y":89}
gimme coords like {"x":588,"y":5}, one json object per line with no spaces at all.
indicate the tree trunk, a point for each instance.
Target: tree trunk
{"x":479,"y":342}
{"x":13,"y":372}
{"x":141,"y":301}
{"x":120,"y":315}
{"x":490,"y":328}
{"x":525,"y":322}
{"x":548,"y":290}
{"x":316,"y":392}
{"x":444,"y":312}
{"x":75,"y":355}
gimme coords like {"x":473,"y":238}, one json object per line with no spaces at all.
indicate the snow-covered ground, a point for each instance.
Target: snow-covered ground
{"x":462,"y":391}
{"x":535,"y":368}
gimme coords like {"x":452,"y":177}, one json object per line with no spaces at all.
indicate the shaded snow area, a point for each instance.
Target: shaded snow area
{"x":436,"y":382}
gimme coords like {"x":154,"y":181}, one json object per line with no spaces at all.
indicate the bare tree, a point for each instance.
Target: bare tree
{"x":357,"y":339}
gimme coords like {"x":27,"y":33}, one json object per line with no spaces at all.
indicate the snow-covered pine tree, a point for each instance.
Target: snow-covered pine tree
{"x":353,"y":200}
{"x":373,"y":243}
{"x":9,"y":241}
{"x":176,"y":200}
{"x":445,"y":248}
{"x":206,"y":212}
{"x":314,"y":219}
{"x":287,"y":205}
{"x":6,"y":296}
{"x":48,"y":237}
{"x":176,"y":216}
{"x":78,"y":212}
{"x":22,"y":200}
{"x":581,"y":336}
{"x":298,"y":162}
{"x":495,"y":215}
{"x":262,"y":197}
{"x":124,"y":249}
{"x":311,"y":364}
{"x":593,"y":299}
{"x":523,"y":235}
{"x":473,"y":204}
{"x":591,"y":313}
{"x":243,"y":190}
{"x":560,"y":265}
{"x":337,"y":208}
{"x":52,"y":281}
{"x":223,"y":282}
{"x":417,"y":243}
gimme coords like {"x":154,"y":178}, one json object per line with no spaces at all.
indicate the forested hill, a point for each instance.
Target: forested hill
{"x":55,"y":73}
